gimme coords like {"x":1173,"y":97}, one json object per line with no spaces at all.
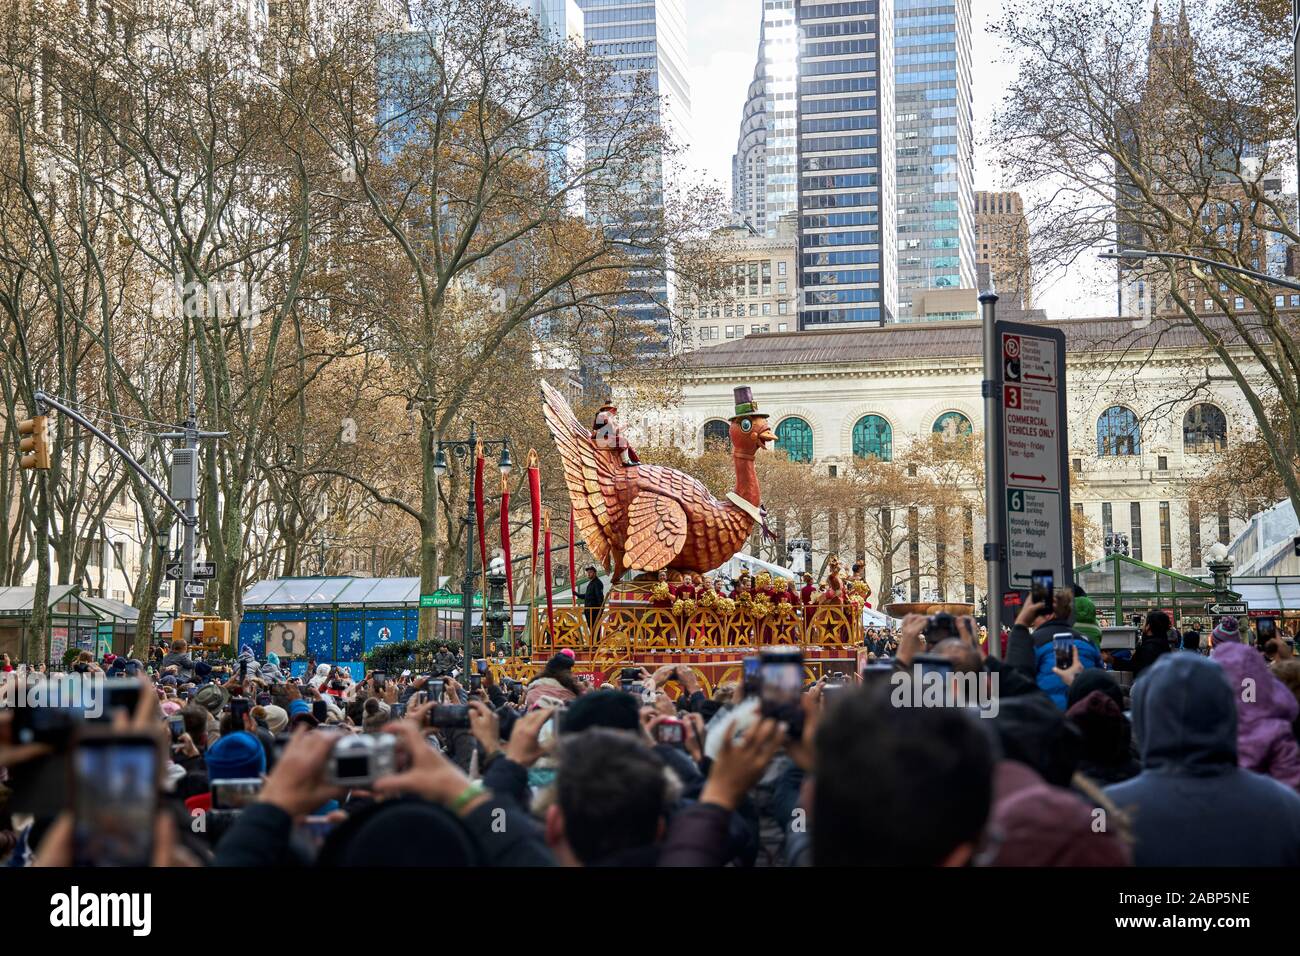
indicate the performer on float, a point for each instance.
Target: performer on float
{"x":833,"y":591}
{"x":808,"y":590}
{"x":607,"y":432}
{"x":664,"y":593}
{"x":788,"y":594}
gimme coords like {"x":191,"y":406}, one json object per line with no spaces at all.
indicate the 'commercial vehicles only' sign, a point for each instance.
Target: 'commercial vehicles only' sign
{"x":1033,"y":447}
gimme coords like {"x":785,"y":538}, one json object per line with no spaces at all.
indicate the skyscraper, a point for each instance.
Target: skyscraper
{"x":560,"y":18}
{"x":935,"y":148}
{"x":1002,"y":238}
{"x":647,"y":37}
{"x":765,"y":168}
{"x":848,"y":253}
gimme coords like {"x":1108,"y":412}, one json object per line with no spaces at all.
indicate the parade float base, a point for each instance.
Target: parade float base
{"x":631,"y":632}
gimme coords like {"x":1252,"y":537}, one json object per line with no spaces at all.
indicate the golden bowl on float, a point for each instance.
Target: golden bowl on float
{"x":902,"y":609}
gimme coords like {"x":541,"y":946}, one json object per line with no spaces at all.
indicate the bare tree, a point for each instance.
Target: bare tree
{"x":1172,"y":137}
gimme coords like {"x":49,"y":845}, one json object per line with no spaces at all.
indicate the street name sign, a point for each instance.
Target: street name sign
{"x":447,"y":599}
{"x":1033,"y":448}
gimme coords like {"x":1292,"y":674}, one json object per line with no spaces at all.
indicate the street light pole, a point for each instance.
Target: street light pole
{"x":462,"y":451}
{"x":467,"y":583}
{"x":994,"y":547}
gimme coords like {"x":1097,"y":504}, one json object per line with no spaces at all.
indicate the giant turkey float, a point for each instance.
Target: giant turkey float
{"x":641,"y":519}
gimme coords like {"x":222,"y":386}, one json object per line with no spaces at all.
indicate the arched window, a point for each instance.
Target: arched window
{"x":716,"y":432}
{"x":873,"y":438}
{"x":1118,"y":432}
{"x":1205,"y":430}
{"x":952,"y":425}
{"x":794,"y":437}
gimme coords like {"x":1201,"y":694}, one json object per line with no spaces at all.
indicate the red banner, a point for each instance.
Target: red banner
{"x":505,"y":546}
{"x":535,"y":501}
{"x":573,"y":576}
{"x":479,"y":506}
{"x":546,"y":565}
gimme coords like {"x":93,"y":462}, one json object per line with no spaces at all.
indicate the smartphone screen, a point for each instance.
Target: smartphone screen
{"x":239,"y":706}
{"x":380,"y":678}
{"x":176,"y":724}
{"x":1063,"y":646}
{"x":782,"y":679}
{"x":1265,"y":629}
{"x":120,"y":693}
{"x":114,"y":799}
{"x":1041,"y":584}
{"x":235,"y":794}
{"x":320,"y":710}
{"x":671,"y":732}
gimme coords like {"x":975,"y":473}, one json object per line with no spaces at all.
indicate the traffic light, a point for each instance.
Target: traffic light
{"x":34,"y":444}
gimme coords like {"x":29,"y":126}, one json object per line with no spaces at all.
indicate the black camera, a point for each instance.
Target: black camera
{"x":940,"y":627}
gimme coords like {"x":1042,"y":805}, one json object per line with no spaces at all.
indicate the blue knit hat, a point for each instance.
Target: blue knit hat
{"x":236,"y":756}
{"x":297,"y":707}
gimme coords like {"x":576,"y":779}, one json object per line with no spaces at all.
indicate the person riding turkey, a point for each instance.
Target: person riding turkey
{"x":607,"y":432}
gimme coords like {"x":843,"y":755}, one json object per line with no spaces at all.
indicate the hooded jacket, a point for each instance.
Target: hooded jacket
{"x":1085,"y":619}
{"x":1192,"y":805}
{"x":1265,"y":710}
{"x":1107,"y":755}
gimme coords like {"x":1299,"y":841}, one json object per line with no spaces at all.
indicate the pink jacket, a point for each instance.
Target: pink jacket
{"x":1265,"y":710}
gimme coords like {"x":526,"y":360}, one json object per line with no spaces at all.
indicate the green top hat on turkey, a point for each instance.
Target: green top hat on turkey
{"x":745,"y":404}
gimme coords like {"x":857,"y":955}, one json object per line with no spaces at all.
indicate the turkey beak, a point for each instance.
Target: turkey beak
{"x":765,"y":437}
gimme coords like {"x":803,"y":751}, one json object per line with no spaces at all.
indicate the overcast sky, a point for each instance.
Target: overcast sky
{"x":723,"y":45}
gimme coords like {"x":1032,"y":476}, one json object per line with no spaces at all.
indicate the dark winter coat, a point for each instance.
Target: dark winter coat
{"x":1192,"y":805}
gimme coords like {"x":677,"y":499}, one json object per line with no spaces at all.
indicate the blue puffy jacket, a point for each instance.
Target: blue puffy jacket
{"x":1045,"y":658}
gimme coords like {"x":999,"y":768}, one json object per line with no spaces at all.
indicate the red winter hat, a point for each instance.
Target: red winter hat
{"x":568,"y":653}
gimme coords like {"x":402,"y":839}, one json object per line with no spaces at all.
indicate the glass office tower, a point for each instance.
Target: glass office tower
{"x":935,"y":148}
{"x":765,"y":168}
{"x":848,"y":266}
{"x":648,"y":37}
